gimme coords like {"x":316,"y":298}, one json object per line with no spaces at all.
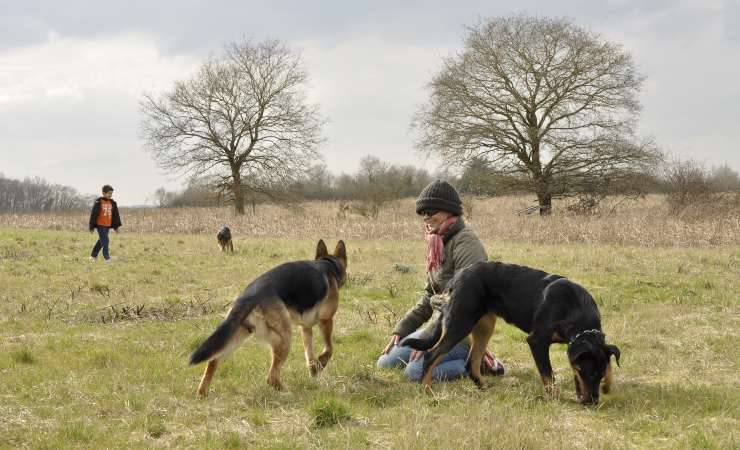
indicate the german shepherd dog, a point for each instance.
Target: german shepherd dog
{"x":224,"y":239}
{"x":303,"y":292}
{"x":550,"y":308}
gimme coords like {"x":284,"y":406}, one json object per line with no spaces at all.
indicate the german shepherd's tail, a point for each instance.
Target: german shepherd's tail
{"x":219,"y":341}
{"x":427,"y":339}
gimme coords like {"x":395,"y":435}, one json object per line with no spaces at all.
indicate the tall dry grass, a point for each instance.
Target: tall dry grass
{"x":646,"y":222}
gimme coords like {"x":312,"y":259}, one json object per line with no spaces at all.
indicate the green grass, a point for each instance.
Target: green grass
{"x":326,"y":412}
{"x":94,"y":355}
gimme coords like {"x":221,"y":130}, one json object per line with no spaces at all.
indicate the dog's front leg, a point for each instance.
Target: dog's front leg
{"x":313,"y":365}
{"x":326,"y":326}
{"x":540,"y":348}
{"x":579,"y":393}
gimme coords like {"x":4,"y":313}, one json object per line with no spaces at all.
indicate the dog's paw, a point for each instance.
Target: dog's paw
{"x":314,"y":367}
{"x":427,"y":389}
{"x":324,"y":359}
{"x":552,"y":391}
{"x":478,"y":382}
{"x":275,"y":383}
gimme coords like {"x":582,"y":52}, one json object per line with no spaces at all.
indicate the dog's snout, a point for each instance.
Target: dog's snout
{"x":591,"y":400}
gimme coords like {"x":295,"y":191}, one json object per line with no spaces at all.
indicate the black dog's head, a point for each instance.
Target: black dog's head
{"x":224,"y":234}
{"x":590,"y":359}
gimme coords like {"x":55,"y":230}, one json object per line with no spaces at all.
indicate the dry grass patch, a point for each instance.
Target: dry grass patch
{"x":646,"y":222}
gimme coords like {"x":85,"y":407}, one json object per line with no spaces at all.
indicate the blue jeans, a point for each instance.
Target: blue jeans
{"x":451,"y":367}
{"x":102,"y":243}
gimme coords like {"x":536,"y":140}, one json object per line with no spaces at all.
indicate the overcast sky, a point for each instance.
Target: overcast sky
{"x":72,"y":74}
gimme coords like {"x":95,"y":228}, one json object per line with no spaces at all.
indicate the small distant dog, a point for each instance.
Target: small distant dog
{"x":303,"y":292}
{"x":552,"y":309}
{"x":224,"y":239}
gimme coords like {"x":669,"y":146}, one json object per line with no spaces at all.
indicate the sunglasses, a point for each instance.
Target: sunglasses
{"x":428,"y":212}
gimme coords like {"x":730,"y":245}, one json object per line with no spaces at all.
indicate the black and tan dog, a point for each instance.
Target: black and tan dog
{"x":224,"y":239}
{"x":550,"y":308}
{"x":303,"y":292}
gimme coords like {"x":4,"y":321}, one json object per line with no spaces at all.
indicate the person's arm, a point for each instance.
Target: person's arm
{"x":415,"y":317}
{"x":94,"y":215}
{"x":116,"y":219}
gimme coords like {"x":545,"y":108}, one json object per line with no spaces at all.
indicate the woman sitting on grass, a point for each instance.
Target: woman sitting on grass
{"x":450,"y":247}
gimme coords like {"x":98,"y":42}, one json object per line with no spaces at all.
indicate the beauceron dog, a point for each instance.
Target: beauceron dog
{"x":550,"y":308}
{"x":303,"y":292}
{"x":224,"y":239}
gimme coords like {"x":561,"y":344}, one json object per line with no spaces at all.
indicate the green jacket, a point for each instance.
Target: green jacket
{"x":462,"y":248}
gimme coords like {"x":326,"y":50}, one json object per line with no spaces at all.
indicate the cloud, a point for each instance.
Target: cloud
{"x":72,"y":73}
{"x":691,"y":95}
{"x":69,"y":111}
{"x":369,"y":89}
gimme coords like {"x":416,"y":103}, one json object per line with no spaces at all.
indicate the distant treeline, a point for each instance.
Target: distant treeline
{"x":377,"y":182}
{"x":36,"y":194}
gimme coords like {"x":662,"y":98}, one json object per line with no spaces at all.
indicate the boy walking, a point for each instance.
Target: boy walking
{"x":103,"y":217}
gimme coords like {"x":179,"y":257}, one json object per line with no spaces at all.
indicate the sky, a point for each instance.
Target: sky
{"x":72,"y":74}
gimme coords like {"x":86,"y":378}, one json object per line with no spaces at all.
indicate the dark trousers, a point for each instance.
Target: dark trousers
{"x":102,"y":243}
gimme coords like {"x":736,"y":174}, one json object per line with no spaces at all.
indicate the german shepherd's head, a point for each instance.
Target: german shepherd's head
{"x":338,"y":259}
{"x":590,"y":359}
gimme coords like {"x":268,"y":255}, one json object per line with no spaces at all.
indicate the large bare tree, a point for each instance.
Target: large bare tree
{"x":541,"y":100}
{"x":242,"y":120}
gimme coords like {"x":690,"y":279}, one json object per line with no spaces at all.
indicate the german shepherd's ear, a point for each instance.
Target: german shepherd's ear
{"x":321,"y":249}
{"x":613,"y":350}
{"x":340,"y":251}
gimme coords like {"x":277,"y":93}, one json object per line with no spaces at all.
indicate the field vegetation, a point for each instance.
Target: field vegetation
{"x":646,"y":222}
{"x":94,"y":355}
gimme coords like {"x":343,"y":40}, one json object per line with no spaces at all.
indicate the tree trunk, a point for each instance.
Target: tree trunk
{"x":545,"y":201}
{"x":236,"y":188}
{"x":544,"y":197}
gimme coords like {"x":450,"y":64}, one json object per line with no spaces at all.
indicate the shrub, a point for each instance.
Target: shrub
{"x":687,"y":183}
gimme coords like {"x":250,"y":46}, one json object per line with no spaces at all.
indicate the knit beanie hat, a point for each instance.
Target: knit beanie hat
{"x":439,"y":195}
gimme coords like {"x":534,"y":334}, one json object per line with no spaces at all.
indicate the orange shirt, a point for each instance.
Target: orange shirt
{"x":105,"y":216}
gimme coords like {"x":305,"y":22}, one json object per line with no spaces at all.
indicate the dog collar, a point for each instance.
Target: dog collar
{"x":583,"y":333}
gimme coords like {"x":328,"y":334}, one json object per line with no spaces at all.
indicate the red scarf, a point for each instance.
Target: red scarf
{"x":435,"y":244}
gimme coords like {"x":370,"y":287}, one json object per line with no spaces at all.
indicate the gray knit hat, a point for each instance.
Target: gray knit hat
{"x":441,"y":196}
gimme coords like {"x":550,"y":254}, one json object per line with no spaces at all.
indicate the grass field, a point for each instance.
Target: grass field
{"x":94,"y":355}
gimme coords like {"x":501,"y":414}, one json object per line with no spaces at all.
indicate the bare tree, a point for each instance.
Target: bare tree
{"x":539,"y":99}
{"x":242,"y":120}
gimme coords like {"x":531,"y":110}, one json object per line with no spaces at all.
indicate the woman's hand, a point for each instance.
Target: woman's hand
{"x":393,"y":342}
